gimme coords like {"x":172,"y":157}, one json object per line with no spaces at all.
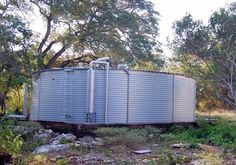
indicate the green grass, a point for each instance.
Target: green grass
{"x":130,"y":138}
{"x":221,"y":133}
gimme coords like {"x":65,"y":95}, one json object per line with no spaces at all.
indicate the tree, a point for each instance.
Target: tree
{"x":84,"y":30}
{"x":212,"y":46}
{"x":14,"y":59}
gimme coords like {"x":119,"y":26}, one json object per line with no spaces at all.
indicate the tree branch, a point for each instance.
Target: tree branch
{"x":48,"y":30}
{"x":78,"y":59}
{"x":55,"y":57}
{"x":43,"y":54}
{"x":42,"y":43}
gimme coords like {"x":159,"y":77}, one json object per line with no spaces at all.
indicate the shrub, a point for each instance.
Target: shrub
{"x":221,"y":133}
{"x":11,"y":143}
{"x":31,"y":144}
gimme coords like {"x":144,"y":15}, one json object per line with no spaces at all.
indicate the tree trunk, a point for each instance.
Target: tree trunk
{"x":3,"y":103}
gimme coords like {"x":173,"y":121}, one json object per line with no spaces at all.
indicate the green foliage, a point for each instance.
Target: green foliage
{"x":207,"y":52}
{"x":168,"y":138}
{"x":166,"y":157}
{"x":31,"y":144}
{"x":11,"y":143}
{"x":108,"y":153}
{"x":16,"y":62}
{"x":124,"y":30}
{"x":111,"y":131}
{"x":220,"y":133}
{"x":64,"y":141}
{"x":62,"y":162}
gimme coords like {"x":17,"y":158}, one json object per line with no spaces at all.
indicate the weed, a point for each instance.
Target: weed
{"x":41,"y":159}
{"x":193,"y":146}
{"x":210,"y":158}
{"x":62,"y":162}
{"x":64,"y":141}
{"x":220,"y":133}
{"x":168,"y":138}
{"x":110,"y":131}
{"x":108,"y":153}
{"x":152,"y":133}
{"x":31,"y":144}
{"x":30,"y":125}
{"x":84,"y":150}
{"x":130,"y":139}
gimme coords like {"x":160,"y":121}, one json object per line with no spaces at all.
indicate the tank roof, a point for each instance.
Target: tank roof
{"x":136,"y":70}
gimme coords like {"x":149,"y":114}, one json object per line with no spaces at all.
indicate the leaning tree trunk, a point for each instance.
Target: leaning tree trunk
{"x":3,"y":103}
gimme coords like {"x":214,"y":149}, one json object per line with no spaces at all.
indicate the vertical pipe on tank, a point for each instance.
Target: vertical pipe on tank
{"x":91,"y":88}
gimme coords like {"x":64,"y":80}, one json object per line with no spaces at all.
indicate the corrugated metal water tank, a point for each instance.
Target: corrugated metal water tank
{"x":150,"y":97}
{"x":134,"y":97}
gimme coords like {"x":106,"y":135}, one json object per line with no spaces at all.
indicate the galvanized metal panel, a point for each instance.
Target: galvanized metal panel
{"x":80,"y":82}
{"x":150,"y":99}
{"x":34,"y":109}
{"x":68,"y":91}
{"x":99,"y":96}
{"x":184,"y":99}
{"x":117,"y":96}
{"x":50,"y":105}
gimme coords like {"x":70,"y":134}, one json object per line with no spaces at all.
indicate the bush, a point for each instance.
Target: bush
{"x":220,"y":133}
{"x":11,"y":143}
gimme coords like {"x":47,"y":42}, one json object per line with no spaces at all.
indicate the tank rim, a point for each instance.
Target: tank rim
{"x":135,"y":70}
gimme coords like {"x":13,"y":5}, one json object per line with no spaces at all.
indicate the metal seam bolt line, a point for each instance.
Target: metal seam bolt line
{"x":173,"y":98}
{"x":128,"y":74}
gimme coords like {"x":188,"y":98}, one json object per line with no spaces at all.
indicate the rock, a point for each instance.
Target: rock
{"x":51,"y":148}
{"x":48,"y":131}
{"x":142,"y":151}
{"x":69,"y":137}
{"x":86,"y":139}
{"x":108,"y":161}
{"x":74,"y":159}
{"x":42,"y":136}
{"x":55,"y":141}
{"x":77,"y":144}
{"x":150,"y":136}
{"x":197,"y":162}
{"x":208,"y":148}
{"x":234,"y":162}
{"x":156,"y":145}
{"x":96,"y":143}
{"x":99,"y":139}
{"x":41,"y":131}
{"x":146,"y":161}
{"x":179,"y":145}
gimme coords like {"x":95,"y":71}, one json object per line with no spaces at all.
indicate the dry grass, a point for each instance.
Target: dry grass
{"x":218,"y":114}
